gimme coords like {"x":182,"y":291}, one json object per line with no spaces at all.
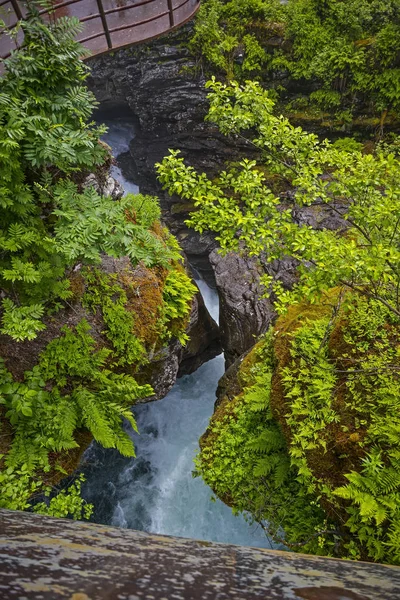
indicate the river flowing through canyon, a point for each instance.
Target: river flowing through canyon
{"x":156,"y":492}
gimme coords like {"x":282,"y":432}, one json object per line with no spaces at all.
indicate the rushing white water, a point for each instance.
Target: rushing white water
{"x":156,"y":492}
{"x":120,"y":133}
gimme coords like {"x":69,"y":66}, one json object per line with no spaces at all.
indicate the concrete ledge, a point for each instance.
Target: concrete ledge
{"x":47,"y":558}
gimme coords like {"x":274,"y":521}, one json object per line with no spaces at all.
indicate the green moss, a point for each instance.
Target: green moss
{"x":336,"y":393}
{"x":105,"y":293}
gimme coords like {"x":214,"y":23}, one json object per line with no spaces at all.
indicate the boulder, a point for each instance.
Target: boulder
{"x":244,"y":314}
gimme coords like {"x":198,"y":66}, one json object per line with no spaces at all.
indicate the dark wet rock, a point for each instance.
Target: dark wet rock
{"x":162,"y":371}
{"x":244,"y":315}
{"x":229,"y":385}
{"x":204,"y":343}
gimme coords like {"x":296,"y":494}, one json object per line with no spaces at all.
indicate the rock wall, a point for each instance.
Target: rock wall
{"x":162,"y":87}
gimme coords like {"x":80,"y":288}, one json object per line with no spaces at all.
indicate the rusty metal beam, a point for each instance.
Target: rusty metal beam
{"x":46,"y":558}
{"x":104,"y":22}
{"x":136,"y":28}
{"x":171,"y":13}
{"x":16,"y":8}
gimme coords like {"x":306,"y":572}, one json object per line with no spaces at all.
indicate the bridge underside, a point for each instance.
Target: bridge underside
{"x":47,"y":558}
{"x":108,"y":24}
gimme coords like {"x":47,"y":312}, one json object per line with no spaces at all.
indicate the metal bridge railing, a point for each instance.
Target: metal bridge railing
{"x":108,"y":24}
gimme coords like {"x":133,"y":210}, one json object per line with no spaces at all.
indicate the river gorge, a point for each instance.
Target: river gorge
{"x":156,"y":492}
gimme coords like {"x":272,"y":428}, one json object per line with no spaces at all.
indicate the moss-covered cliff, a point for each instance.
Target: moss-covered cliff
{"x":308,"y":442}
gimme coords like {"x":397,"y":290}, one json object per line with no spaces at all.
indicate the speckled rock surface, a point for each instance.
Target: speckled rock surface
{"x":49,"y":559}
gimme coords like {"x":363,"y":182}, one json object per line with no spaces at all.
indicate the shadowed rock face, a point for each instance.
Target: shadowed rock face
{"x":244,"y":315}
{"x":159,"y":83}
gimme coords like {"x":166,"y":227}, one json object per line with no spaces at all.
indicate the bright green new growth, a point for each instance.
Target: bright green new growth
{"x":240,"y":206}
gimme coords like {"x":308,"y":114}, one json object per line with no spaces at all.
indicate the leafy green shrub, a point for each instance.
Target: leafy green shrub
{"x":247,"y":214}
{"x":89,"y":224}
{"x":350,"y":48}
{"x":143,"y":210}
{"x":347,"y":144}
{"x":47,"y":146}
{"x":66,"y":503}
{"x":19,"y":490}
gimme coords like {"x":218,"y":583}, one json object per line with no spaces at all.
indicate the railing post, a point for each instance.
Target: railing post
{"x":104,"y":21}
{"x":171,"y":13}
{"x":17,"y":9}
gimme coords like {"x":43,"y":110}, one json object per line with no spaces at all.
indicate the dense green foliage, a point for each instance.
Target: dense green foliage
{"x":44,"y":420}
{"x":348,"y":51}
{"x":335,"y":386}
{"x":231,"y":35}
{"x":351,"y":49}
{"x":243,"y":208}
{"x":46,"y":144}
{"x":342,"y":395}
{"x":332,"y":481}
{"x":54,"y":230}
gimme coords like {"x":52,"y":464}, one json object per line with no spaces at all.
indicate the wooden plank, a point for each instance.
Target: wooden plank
{"x":47,"y":558}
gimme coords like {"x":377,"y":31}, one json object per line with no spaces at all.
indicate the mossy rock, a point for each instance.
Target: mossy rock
{"x":329,"y":376}
{"x":116,"y":319}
